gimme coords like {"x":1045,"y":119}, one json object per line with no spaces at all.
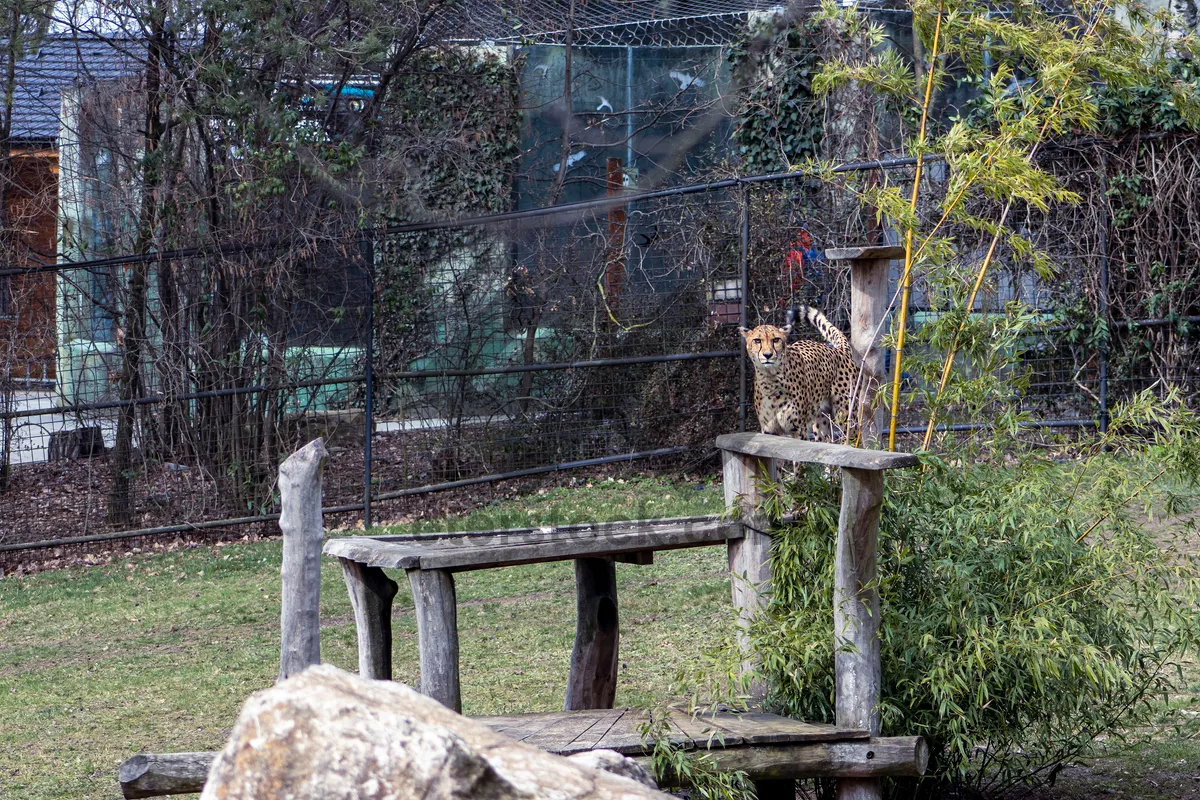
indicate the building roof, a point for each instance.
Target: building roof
{"x":58,"y":64}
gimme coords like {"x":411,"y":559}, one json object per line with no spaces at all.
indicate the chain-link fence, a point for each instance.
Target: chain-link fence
{"x":446,"y":355}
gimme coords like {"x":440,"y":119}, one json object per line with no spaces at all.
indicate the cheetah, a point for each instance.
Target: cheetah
{"x":794,"y":383}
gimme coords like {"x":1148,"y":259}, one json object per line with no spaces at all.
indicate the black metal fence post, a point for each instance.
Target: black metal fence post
{"x":1103,"y":298}
{"x":369,"y":379}
{"x":745,"y":279}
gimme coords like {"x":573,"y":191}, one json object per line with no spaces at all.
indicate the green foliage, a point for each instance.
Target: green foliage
{"x":457,"y":130}
{"x":1036,"y":76}
{"x":1153,"y":105}
{"x":1024,"y":616}
{"x":675,"y":767}
{"x":778,"y":118}
{"x":461,"y":108}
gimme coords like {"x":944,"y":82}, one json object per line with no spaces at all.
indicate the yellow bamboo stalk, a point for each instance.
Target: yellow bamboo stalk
{"x":906,"y":280}
{"x":952,"y":351}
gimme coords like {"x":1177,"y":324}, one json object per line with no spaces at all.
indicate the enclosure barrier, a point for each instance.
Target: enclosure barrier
{"x":183,"y":483}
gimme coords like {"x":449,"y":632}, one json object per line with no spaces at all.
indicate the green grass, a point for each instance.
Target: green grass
{"x":158,"y":652}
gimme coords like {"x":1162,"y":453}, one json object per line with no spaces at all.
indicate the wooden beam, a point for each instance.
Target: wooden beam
{"x":865,"y":759}
{"x":857,"y":669}
{"x":750,"y":556}
{"x":487,"y":551}
{"x":592,"y":682}
{"x":887,"y":251}
{"x":834,"y":455}
{"x":437,"y":635}
{"x":371,"y":593}
{"x":158,"y":774}
{"x":303,"y":526}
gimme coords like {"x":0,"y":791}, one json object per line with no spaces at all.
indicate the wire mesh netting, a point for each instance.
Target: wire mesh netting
{"x":605,"y":332}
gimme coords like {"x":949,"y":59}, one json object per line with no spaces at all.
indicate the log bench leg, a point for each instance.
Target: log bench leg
{"x":592,"y":682}
{"x":371,"y":593}
{"x":437,"y":633}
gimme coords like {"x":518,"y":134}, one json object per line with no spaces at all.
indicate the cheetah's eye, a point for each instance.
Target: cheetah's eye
{"x":758,"y":341}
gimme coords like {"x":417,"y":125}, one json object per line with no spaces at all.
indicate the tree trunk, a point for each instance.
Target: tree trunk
{"x":120,"y":501}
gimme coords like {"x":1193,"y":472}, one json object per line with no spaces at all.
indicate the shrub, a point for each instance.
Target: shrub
{"x":1028,"y":609}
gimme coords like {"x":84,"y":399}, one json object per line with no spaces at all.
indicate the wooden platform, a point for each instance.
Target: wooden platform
{"x":623,"y":730}
{"x":765,"y":746}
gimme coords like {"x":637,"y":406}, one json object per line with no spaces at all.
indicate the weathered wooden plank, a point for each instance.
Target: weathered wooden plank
{"x":373,"y":552}
{"x":303,"y":526}
{"x":704,"y":730}
{"x":857,"y":669}
{"x":592,"y":681}
{"x":530,"y":548}
{"x":759,"y":727}
{"x":437,"y":634}
{"x":598,"y":728}
{"x":158,"y":774}
{"x":549,"y":548}
{"x":868,"y":759}
{"x":524,"y":726}
{"x":625,"y":736}
{"x":888,"y":251}
{"x":733,"y":728}
{"x":835,"y":455}
{"x":565,"y":729}
{"x":582,"y":528}
{"x":371,"y":593}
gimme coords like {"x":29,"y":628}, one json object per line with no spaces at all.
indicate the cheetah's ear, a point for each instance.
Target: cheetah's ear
{"x":786,"y":329}
{"x":743,"y":331}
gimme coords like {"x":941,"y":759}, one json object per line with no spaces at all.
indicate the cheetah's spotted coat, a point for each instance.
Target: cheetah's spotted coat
{"x":794,"y":383}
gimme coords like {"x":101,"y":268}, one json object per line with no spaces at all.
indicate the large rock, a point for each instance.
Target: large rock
{"x":330,"y":735}
{"x":617,"y":764}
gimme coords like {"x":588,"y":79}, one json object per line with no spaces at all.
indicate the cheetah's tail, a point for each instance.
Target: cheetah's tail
{"x":827,"y":328}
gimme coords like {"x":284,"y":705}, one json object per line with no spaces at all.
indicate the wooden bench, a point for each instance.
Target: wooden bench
{"x":430,"y":562}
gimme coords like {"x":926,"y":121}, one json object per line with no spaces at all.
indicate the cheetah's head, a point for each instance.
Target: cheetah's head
{"x":766,"y":345}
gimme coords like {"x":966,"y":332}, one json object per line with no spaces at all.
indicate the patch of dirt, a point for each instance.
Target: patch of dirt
{"x":63,"y":499}
{"x":1109,"y":782}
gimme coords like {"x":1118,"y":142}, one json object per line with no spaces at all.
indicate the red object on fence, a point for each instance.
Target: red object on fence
{"x":793,"y":265}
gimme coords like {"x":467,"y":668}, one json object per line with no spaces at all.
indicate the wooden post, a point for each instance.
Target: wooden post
{"x":303,"y":527}
{"x":856,"y":616}
{"x":869,"y":300}
{"x":592,"y":682}
{"x":371,"y":592}
{"x":437,"y":634}
{"x":750,"y":556}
